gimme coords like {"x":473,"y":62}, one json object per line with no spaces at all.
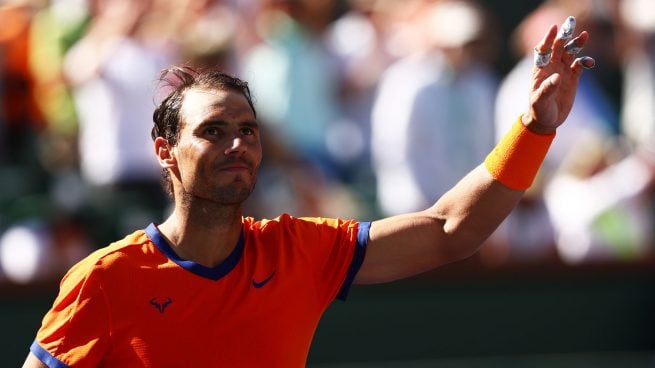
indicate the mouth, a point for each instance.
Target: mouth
{"x":235,"y":167}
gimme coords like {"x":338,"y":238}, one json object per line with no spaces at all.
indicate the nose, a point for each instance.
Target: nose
{"x":236,"y":147}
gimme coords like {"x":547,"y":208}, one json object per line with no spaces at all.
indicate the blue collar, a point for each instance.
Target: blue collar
{"x":212,"y":273}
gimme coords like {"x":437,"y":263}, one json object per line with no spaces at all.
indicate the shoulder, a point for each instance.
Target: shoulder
{"x":127,"y":250}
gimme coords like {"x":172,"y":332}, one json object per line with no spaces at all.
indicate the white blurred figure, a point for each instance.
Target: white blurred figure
{"x":638,"y":111}
{"x":433,"y":116}
{"x":360,"y":39}
{"x":602,"y":211}
{"x":36,"y":250}
{"x":27,"y":253}
{"x":112,"y":70}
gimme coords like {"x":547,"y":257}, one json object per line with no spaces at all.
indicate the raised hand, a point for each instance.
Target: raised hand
{"x":555,"y":77}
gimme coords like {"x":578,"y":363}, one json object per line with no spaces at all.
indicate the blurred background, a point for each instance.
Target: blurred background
{"x":369,"y":108}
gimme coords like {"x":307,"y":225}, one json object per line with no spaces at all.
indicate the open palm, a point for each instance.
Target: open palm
{"x":554,"y":85}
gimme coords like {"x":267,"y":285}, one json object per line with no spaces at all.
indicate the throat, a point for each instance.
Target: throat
{"x":204,"y":237}
{"x":207,"y":214}
{"x":210,"y":257}
{"x":208,"y":249}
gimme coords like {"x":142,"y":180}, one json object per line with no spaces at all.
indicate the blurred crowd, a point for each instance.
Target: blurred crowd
{"x":368,"y":108}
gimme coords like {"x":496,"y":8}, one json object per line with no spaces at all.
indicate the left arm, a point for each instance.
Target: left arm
{"x":459,"y":222}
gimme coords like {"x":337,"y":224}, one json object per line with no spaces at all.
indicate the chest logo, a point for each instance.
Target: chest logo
{"x":161,"y":303}
{"x":260,"y":284}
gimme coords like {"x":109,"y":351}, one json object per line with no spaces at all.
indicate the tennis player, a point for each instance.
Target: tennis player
{"x":209,"y":287}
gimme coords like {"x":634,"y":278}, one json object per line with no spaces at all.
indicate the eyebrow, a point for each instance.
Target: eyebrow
{"x":250,"y":124}
{"x":213,"y":121}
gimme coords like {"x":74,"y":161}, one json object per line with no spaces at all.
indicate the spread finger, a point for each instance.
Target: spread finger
{"x":564,"y":35}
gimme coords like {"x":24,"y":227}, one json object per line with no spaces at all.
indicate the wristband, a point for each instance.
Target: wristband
{"x":516,"y":159}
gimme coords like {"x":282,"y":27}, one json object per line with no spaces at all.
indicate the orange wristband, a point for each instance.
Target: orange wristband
{"x":516,"y":159}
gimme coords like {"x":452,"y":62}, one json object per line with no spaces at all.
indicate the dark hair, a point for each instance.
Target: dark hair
{"x":179,"y":79}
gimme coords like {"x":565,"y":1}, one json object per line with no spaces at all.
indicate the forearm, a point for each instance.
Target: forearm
{"x":471,"y":211}
{"x":459,"y":222}
{"x":475,"y":207}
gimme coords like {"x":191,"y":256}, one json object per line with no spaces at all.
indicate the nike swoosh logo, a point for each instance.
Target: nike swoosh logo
{"x":260,"y":284}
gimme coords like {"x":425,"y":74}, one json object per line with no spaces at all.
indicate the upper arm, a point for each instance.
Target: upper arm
{"x":402,"y":246}
{"x":452,"y":229}
{"x":33,"y":362}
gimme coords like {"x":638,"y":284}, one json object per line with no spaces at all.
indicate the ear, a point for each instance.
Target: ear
{"x":165,"y":153}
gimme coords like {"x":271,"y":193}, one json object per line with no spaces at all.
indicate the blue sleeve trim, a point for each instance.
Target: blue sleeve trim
{"x":45,"y":357}
{"x":358,"y":259}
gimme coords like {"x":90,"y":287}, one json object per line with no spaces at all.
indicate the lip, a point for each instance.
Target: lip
{"x":234,"y":168}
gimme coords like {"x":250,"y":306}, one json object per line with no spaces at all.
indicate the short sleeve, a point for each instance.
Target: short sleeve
{"x":358,"y":258}
{"x":338,"y":248}
{"x":75,"y":332}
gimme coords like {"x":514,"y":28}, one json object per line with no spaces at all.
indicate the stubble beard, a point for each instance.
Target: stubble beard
{"x":235,"y":193}
{"x":219,"y":206}
{"x":229,"y":195}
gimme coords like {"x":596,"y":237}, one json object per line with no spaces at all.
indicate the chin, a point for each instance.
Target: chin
{"x":233,"y":194}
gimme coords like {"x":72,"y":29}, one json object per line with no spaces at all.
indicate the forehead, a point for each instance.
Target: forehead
{"x":202,"y":103}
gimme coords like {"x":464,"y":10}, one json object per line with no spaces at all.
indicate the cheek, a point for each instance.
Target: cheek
{"x":256,"y":152}
{"x":190,"y":161}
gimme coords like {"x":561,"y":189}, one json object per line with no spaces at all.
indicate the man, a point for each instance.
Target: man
{"x":209,"y":287}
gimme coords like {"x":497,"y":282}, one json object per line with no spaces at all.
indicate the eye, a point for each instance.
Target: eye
{"x":246,"y":131}
{"x":213,"y":131}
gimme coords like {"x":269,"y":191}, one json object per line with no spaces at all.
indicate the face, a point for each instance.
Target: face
{"x":219,"y":151}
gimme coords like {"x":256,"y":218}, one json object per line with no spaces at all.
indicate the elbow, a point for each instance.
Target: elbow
{"x":462,"y":251}
{"x":462,"y":242}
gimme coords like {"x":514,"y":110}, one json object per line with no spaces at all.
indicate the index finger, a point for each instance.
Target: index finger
{"x":543,"y":51}
{"x":545,"y":45}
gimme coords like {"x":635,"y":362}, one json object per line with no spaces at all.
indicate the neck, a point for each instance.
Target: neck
{"x":202,"y":231}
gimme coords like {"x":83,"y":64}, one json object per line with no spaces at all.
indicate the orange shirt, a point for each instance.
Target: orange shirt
{"x":135,"y":303}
